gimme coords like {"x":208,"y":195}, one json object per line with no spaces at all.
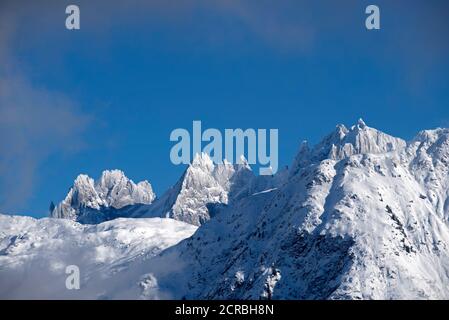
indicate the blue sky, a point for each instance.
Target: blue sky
{"x":108,"y":95}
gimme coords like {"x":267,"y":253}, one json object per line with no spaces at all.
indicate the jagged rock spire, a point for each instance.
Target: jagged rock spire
{"x":113,"y":189}
{"x":343,"y":142}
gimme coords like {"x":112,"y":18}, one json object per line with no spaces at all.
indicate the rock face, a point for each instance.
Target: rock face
{"x":90,"y":201}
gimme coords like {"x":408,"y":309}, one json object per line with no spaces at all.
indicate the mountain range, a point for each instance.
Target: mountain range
{"x":202,"y":189}
{"x":360,"y":215}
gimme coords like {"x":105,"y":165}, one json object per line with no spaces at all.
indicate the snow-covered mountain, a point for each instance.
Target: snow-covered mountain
{"x":90,"y":201}
{"x":202,"y":189}
{"x":361,"y":215}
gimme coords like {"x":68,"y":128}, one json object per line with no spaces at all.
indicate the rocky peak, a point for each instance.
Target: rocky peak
{"x":113,"y":189}
{"x":343,"y":142}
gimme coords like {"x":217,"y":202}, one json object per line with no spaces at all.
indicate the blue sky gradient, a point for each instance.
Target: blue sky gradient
{"x":108,"y":95}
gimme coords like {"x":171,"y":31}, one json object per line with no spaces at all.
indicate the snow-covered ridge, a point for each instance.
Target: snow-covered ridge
{"x":202,"y":185}
{"x":205,"y":186}
{"x":112,"y":190}
{"x":197,"y":195}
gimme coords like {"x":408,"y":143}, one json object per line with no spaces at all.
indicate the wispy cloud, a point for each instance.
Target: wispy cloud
{"x":34,"y":124}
